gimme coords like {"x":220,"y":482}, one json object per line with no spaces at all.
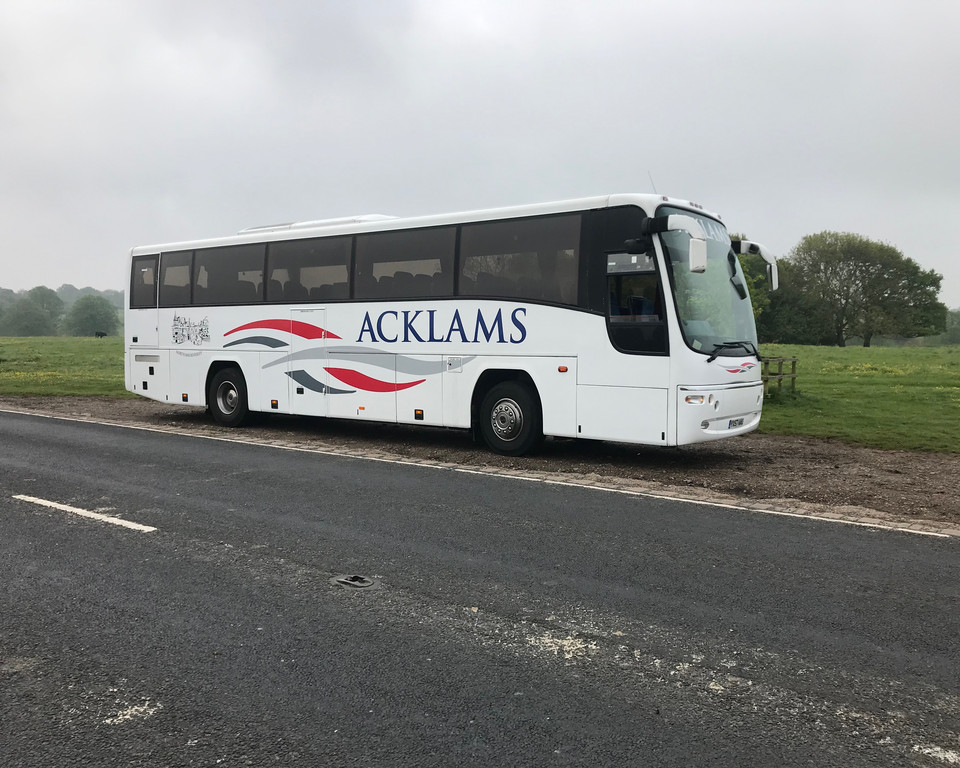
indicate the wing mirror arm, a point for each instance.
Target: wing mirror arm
{"x":747,"y":246}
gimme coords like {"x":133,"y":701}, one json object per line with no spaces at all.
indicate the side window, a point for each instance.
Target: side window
{"x":534,"y":259}
{"x":317,"y":269}
{"x":634,"y":288}
{"x":406,"y":264}
{"x":635,"y":303}
{"x":143,"y":282}
{"x":230,"y":275}
{"x":175,"y":278}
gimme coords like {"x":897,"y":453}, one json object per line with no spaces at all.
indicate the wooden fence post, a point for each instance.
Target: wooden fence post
{"x":779,"y":376}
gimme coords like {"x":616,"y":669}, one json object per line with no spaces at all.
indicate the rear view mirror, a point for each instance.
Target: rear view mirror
{"x":773,"y":276}
{"x":698,"y":254}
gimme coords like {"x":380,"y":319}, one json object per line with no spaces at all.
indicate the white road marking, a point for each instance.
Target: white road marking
{"x":87,"y":513}
{"x":722,"y":505}
{"x":892,"y":526}
{"x":499,"y":474}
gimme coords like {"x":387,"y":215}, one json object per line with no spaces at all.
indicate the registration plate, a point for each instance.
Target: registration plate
{"x":734,"y":423}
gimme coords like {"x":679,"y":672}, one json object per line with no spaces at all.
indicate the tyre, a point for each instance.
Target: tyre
{"x":510,"y":419}
{"x":227,"y":397}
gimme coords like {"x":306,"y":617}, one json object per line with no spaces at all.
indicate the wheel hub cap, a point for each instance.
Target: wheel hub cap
{"x":507,"y":420}
{"x":228,"y":398}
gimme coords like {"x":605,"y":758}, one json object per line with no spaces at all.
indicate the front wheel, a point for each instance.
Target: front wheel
{"x":510,"y":419}
{"x":227,"y":397}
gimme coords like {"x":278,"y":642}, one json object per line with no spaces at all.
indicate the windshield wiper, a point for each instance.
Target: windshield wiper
{"x":747,"y":346}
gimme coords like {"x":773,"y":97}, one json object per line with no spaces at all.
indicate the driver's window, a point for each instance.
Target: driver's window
{"x":635,"y":303}
{"x":633,"y":288}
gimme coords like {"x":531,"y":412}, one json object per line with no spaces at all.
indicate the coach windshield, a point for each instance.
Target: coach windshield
{"x":713,"y":306}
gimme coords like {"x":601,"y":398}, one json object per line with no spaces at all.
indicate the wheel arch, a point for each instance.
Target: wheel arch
{"x":487,"y":381}
{"x":215,"y":367}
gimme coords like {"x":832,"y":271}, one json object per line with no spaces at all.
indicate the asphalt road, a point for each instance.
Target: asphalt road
{"x":510,"y":622}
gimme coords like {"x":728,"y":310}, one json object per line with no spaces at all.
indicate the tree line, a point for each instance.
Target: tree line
{"x":67,"y":311}
{"x":838,"y":288}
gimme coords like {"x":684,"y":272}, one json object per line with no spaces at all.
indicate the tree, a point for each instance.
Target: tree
{"x":861,"y":287}
{"x":784,"y":316}
{"x":114,"y":297}
{"x":90,"y":315}
{"x":47,"y":301}
{"x":27,"y":318}
{"x":952,"y":333}
{"x":7,"y":297}
{"x":793,"y":317}
{"x":70,"y":293}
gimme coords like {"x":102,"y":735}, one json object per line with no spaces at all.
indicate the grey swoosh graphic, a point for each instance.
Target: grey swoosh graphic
{"x":264,"y":340}
{"x":304,"y":379}
{"x":409,"y":366}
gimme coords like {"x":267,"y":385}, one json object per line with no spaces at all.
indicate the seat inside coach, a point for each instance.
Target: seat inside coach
{"x":294,"y":291}
{"x":403,"y":284}
{"x":274,"y":290}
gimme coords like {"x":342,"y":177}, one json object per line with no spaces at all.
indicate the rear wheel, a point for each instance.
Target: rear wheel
{"x":510,"y":419}
{"x":227,"y":397}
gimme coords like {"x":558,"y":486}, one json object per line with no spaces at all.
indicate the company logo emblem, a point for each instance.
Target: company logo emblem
{"x":741,"y":368}
{"x":187,"y":330}
{"x":429,"y":326}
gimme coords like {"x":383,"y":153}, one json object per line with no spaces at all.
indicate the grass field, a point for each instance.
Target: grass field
{"x":62,"y":365}
{"x":883,"y":397}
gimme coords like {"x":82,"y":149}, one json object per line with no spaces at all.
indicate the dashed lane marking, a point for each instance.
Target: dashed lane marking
{"x":87,"y":513}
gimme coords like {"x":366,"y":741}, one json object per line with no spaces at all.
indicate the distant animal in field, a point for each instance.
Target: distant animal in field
{"x":100,"y":335}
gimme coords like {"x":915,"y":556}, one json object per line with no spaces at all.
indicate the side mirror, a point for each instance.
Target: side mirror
{"x":698,"y":255}
{"x":773,"y":276}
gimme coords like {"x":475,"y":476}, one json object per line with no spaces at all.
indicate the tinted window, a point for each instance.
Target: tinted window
{"x":522,"y":258}
{"x":635,"y":303}
{"x":143,"y":282}
{"x":309,"y":270}
{"x":413,"y":263}
{"x":230,"y":275}
{"x":175,"y":278}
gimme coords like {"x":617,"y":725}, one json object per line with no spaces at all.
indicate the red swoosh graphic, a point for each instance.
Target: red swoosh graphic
{"x":297,"y":328}
{"x":361,"y":381}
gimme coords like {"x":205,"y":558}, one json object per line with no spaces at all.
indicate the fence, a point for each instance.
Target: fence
{"x":779,"y":376}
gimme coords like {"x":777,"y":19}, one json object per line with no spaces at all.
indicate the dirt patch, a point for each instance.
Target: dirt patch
{"x":803,"y":473}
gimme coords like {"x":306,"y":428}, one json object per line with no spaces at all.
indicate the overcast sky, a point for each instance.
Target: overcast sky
{"x":137,"y":122}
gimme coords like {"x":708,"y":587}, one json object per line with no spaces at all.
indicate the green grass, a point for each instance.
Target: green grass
{"x":904,"y":398}
{"x":882,"y":397}
{"x":62,"y":365}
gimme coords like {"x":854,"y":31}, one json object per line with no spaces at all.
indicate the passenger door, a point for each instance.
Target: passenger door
{"x":308,"y":385}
